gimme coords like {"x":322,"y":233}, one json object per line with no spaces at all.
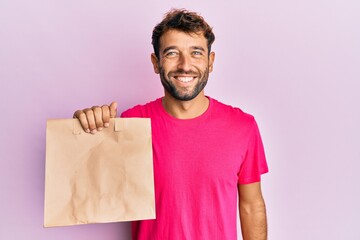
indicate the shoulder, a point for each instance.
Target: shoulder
{"x":142,"y":110}
{"x":240,"y":123}
{"x":231,"y":113}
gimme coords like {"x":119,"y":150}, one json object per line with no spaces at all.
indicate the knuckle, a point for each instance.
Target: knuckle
{"x":80,"y":114}
{"x":105,"y":108}
{"x":77,"y":113}
{"x":90,"y":115}
{"x":97,"y":111}
{"x":82,"y":117}
{"x":87,"y":111}
{"x":95,"y":108}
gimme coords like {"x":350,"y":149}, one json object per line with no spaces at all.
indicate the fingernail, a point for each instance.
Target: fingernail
{"x":106,"y":124}
{"x":93,"y":131}
{"x":87,"y":130}
{"x":100,"y":128}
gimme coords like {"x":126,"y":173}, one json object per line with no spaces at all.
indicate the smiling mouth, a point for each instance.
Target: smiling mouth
{"x":184,"y":79}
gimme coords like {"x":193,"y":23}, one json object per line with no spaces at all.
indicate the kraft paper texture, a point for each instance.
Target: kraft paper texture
{"x":98,"y":178}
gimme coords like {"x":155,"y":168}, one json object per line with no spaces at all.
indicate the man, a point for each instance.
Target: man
{"x":205,"y":153}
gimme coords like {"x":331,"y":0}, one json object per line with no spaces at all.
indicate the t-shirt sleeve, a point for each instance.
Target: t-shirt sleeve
{"x":132,"y":112}
{"x":254,"y":163}
{"x":124,"y":115}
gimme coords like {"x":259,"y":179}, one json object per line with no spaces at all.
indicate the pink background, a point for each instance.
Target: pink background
{"x":295,"y":65}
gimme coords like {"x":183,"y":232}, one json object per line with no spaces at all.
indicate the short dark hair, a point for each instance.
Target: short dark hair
{"x":185,"y":21}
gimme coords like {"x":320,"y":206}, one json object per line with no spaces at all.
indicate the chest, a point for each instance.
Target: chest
{"x":201,"y":153}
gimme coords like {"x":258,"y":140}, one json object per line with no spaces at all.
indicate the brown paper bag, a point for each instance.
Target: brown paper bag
{"x":105,"y":177}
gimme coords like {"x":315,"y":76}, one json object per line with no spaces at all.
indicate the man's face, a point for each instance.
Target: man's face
{"x":184,"y":64}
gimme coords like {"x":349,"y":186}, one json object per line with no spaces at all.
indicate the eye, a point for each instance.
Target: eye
{"x":197,"y":53}
{"x":171,"y":53}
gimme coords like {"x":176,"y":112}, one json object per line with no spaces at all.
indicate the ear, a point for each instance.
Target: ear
{"x":155,"y":63}
{"x":211,"y":61}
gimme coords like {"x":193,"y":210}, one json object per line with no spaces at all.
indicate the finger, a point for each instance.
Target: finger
{"x":79,"y":114}
{"x":105,"y":115}
{"x":98,"y":117}
{"x":90,"y":119}
{"x":113,"y":109}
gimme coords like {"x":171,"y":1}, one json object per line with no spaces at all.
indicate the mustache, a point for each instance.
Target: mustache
{"x":180,"y":72}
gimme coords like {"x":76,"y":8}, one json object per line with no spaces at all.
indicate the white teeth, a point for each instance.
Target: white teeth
{"x":185,"y":79}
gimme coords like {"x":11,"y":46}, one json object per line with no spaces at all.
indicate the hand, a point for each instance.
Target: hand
{"x":96,"y":118}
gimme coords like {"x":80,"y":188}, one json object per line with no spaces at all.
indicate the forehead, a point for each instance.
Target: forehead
{"x":182,"y":40}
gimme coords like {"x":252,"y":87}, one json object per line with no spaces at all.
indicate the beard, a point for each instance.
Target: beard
{"x":184,"y":93}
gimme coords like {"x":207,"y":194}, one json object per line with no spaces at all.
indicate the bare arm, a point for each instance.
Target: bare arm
{"x":252,"y":212}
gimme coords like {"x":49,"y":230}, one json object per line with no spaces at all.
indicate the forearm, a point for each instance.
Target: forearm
{"x":253,"y":222}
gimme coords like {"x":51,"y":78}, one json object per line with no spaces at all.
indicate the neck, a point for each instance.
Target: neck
{"x":186,"y":109}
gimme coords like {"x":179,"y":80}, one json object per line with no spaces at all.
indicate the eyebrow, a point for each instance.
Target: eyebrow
{"x":174,"y":47}
{"x":168,"y":48}
{"x":198,"y":48}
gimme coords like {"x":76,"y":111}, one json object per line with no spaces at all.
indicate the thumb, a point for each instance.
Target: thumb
{"x":113,"y":109}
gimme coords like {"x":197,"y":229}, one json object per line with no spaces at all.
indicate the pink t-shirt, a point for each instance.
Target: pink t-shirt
{"x":198,"y":164}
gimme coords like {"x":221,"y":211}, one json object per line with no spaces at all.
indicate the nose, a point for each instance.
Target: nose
{"x":184,"y":63}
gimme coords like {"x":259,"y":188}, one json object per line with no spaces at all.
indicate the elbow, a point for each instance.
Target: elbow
{"x":253,"y":208}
